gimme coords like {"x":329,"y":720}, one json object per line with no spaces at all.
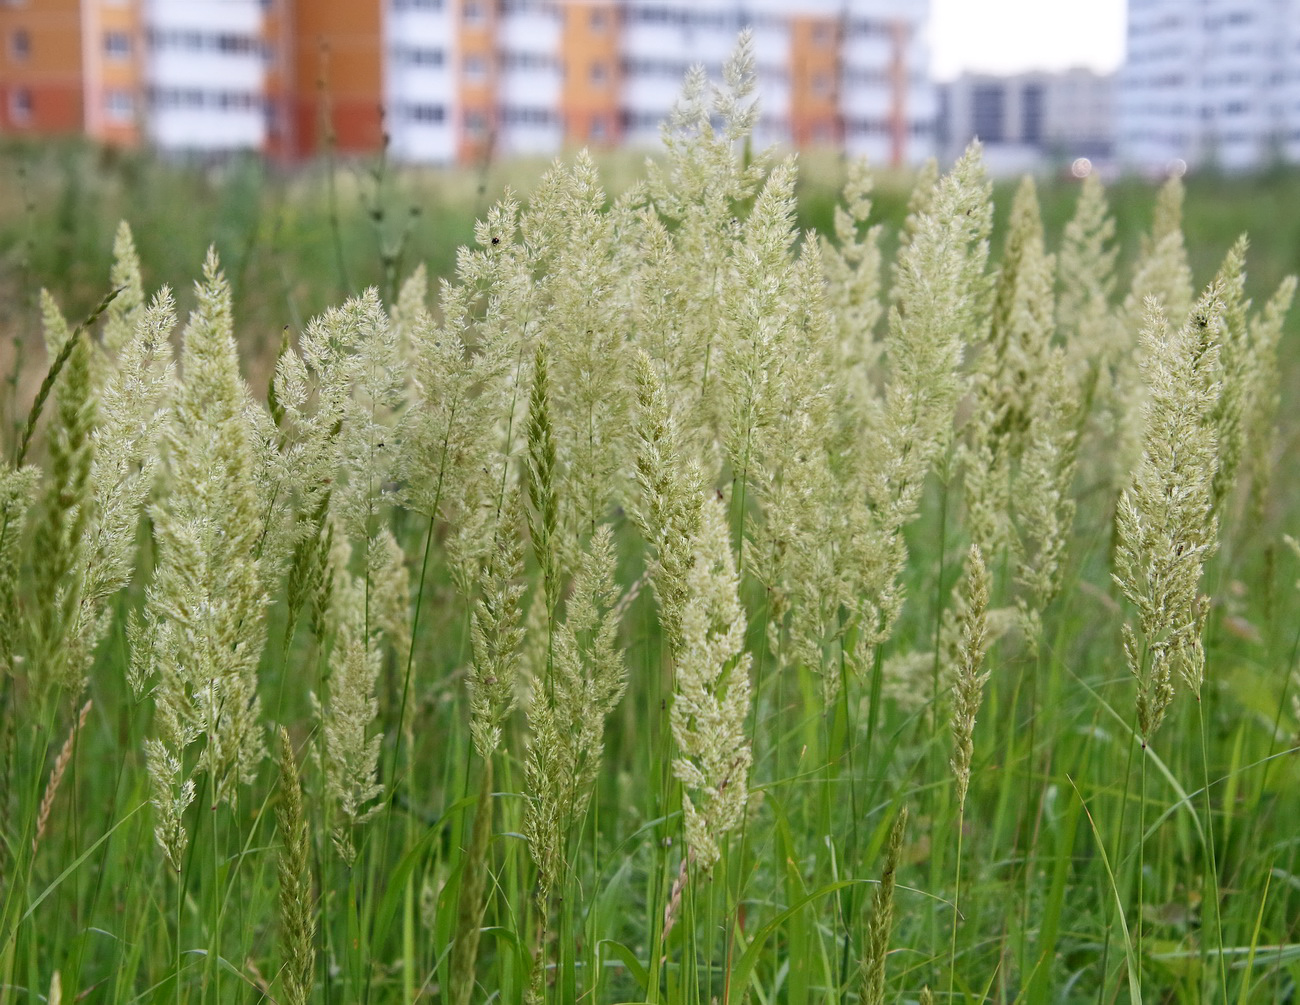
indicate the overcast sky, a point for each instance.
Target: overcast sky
{"x":1005,"y":36}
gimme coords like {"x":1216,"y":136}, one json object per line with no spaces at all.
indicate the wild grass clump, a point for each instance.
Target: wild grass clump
{"x":680,"y":608}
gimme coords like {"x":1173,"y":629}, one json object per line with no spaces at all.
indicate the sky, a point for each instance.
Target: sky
{"x":1007,"y":36}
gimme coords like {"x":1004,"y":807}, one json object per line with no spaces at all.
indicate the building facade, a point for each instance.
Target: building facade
{"x":1210,"y":82}
{"x":1029,"y":119}
{"x":456,"y":80}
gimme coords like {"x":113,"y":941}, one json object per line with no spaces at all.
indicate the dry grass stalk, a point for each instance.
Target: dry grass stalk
{"x":56,"y":775}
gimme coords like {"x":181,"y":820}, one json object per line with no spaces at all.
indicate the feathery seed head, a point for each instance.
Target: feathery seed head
{"x":204,"y":618}
{"x":1165,"y":520}
{"x":711,"y":703}
{"x":496,"y":632}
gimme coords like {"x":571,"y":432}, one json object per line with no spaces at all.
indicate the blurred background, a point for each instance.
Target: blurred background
{"x":326,"y":145}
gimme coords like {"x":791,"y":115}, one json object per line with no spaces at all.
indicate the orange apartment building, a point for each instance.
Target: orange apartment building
{"x":453,"y":80}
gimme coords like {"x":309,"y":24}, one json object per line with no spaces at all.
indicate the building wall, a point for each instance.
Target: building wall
{"x":279,"y":79}
{"x":815,"y":71}
{"x":477,"y":123}
{"x":114,"y":50}
{"x":337,"y":84}
{"x":591,"y":70}
{"x":41,"y":68}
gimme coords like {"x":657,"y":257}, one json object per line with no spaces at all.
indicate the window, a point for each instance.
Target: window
{"x":861,"y":76}
{"x":1031,"y":111}
{"x":473,"y":12}
{"x":599,"y":74}
{"x":598,"y":128}
{"x":117,"y":45}
{"x":476,"y":68}
{"x":476,"y":123}
{"x":421,"y":57}
{"x":868,"y":127}
{"x":641,"y":120}
{"x":821,"y":84}
{"x":521,"y":116}
{"x":521,"y":59}
{"x":821,"y":35}
{"x":20,"y":106}
{"x":870,"y":27}
{"x":198,"y":42}
{"x":119,"y":106}
{"x":20,"y":44}
{"x":988,"y":113}
{"x":597,"y":20}
{"x":426,"y":113}
{"x":193,"y":97}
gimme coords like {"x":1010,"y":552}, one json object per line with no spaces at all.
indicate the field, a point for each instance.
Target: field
{"x":739,"y":581}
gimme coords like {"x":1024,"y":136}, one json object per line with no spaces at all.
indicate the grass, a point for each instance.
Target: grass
{"x":1095,"y":865}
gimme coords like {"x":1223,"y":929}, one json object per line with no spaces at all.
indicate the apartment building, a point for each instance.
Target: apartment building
{"x":1210,"y":82}
{"x":456,"y":80}
{"x":1027,"y":120}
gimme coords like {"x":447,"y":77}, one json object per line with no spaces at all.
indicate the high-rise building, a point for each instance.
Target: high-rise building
{"x":456,"y":80}
{"x":1210,"y":82}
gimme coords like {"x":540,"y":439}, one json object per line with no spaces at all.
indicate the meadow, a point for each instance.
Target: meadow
{"x":723,"y":579}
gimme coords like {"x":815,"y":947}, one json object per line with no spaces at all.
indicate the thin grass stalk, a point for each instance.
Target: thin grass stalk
{"x":1117,"y":844}
{"x":1139,"y":921}
{"x":845,"y":896}
{"x":1210,"y":841}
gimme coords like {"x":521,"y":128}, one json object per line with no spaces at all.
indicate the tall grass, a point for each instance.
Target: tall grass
{"x":684,"y":608}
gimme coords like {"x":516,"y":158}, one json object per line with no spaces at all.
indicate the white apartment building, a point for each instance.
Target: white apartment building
{"x":1029,"y":120}
{"x":1210,"y":82}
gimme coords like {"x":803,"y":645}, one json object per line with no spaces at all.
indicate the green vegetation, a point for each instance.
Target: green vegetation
{"x":683,"y":608}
